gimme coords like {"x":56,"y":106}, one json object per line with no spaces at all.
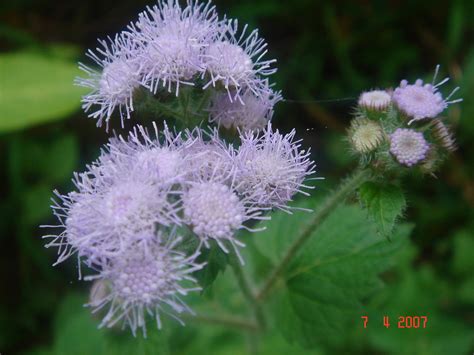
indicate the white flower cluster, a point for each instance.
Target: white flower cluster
{"x":123,"y":218}
{"x":170,"y":46}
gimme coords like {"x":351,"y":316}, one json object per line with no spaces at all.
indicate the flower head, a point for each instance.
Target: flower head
{"x":112,"y":88}
{"x":208,"y":155}
{"x":160,"y":156}
{"x":365,"y":135}
{"x":101,"y":223}
{"x":121,"y":199}
{"x":251,"y":113}
{"x":408,"y":146}
{"x":174,"y":40}
{"x":272,"y":167}
{"x":236,"y":61}
{"x":141,"y":282}
{"x":420,"y":101}
{"x":375,"y":100}
{"x":214,"y":211}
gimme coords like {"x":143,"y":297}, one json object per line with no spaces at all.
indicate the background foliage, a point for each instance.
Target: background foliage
{"x":325,"y":51}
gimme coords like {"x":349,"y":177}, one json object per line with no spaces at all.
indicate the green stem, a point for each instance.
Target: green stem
{"x":148,"y":104}
{"x":184,"y":103}
{"x":247,"y":290}
{"x":346,"y":188}
{"x":203,"y":102}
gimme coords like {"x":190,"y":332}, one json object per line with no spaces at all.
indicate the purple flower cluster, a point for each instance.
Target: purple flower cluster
{"x":408,"y":120}
{"x":170,"y":46}
{"x":124,"y":217}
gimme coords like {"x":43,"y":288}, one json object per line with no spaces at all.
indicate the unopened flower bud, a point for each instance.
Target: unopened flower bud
{"x":443,"y":135}
{"x":375,"y":100}
{"x":365,"y":135}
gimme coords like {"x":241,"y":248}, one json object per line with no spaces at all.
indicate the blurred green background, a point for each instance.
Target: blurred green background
{"x":328,"y":52}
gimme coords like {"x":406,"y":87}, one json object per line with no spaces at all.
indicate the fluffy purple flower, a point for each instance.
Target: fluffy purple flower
{"x":408,"y":146}
{"x":113,"y":87}
{"x":174,"y":40}
{"x":207,"y":155}
{"x":420,"y":101}
{"x":158,"y":155}
{"x":251,"y":113}
{"x":101,"y":221}
{"x":145,"y":282}
{"x":272,"y":168}
{"x":121,"y":198}
{"x":214,"y":211}
{"x":236,"y":61}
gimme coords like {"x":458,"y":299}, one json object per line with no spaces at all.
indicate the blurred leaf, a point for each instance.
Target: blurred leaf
{"x":51,"y":160}
{"x":385,"y":204}
{"x":77,"y":333}
{"x":36,"y":203}
{"x":324,"y":286}
{"x":64,"y":51}
{"x":36,"y":88}
{"x":466,"y":128}
{"x":17,"y":36}
{"x":61,"y":158}
{"x":463,"y":264}
{"x":455,"y":24}
{"x":76,"y":330}
{"x":418,"y":293}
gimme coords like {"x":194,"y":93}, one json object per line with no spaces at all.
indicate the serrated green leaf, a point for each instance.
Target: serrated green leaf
{"x":385,"y":203}
{"x":36,"y":88}
{"x":322,"y":290}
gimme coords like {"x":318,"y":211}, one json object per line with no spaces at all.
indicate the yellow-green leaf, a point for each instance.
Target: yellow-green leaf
{"x":36,"y":88}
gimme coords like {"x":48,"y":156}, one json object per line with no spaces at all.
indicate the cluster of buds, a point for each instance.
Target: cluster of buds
{"x":403,"y":128}
{"x":149,"y":197}
{"x":170,"y":48}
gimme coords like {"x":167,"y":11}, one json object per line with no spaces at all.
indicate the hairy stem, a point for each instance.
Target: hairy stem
{"x":247,"y":291}
{"x":346,"y":188}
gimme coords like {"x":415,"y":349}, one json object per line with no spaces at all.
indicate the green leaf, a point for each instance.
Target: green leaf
{"x":76,"y":330}
{"x":385,"y":203}
{"x":61,"y":158}
{"x":51,"y":159}
{"x":321,"y":292}
{"x":77,"y":333}
{"x":216,"y":261}
{"x":418,"y":293}
{"x":463,"y":264}
{"x":36,"y":88}
{"x":36,"y":203}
